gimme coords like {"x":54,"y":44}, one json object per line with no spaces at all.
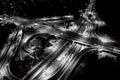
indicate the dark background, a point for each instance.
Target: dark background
{"x":40,"y":8}
{"x":108,"y":11}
